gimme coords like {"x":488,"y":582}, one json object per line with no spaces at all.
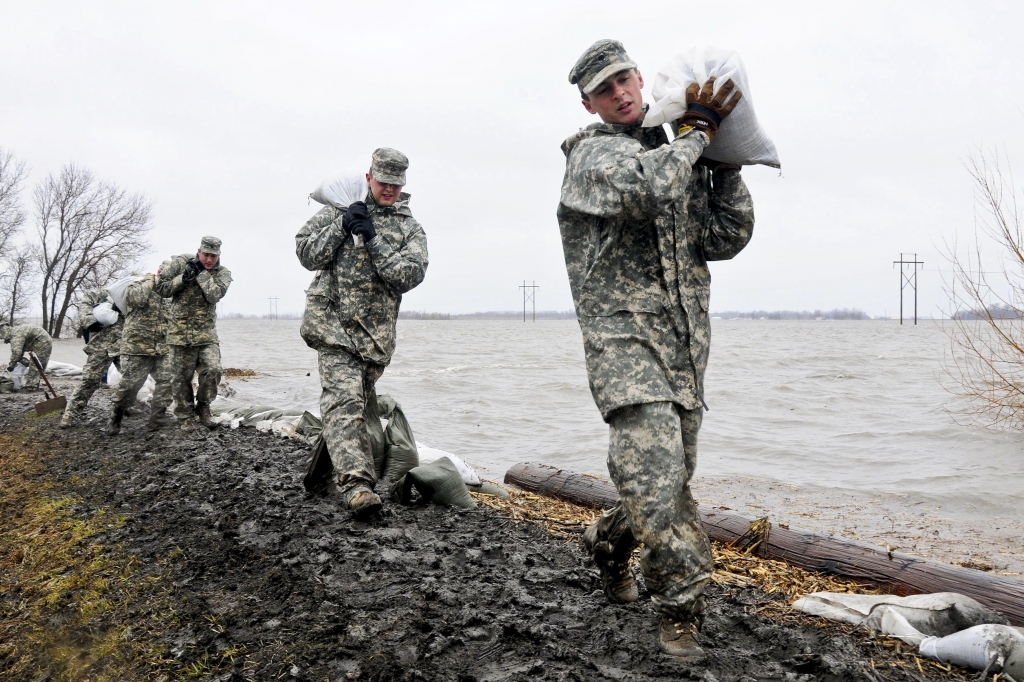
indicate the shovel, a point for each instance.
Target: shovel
{"x":57,"y":402}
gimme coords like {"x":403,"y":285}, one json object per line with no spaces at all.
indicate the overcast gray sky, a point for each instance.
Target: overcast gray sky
{"x":228,"y":114}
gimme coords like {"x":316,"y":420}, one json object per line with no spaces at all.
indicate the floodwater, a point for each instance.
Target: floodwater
{"x":854,"y":406}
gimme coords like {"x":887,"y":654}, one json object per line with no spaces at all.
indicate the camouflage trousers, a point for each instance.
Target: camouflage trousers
{"x":93,"y":375}
{"x":32,"y":377}
{"x":185,"y":361}
{"x":652,"y":454}
{"x":135,"y":369}
{"x":347,"y":396}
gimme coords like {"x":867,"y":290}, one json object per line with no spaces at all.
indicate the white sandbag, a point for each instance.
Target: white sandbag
{"x":145,"y":394}
{"x":977,"y":647}
{"x":942,"y":613}
{"x":740,"y":140}
{"x":429,"y":454}
{"x":118,"y":291}
{"x":341,"y":189}
{"x":18,"y":376}
{"x":105,"y":313}
{"x":113,"y":376}
{"x":63,"y":370}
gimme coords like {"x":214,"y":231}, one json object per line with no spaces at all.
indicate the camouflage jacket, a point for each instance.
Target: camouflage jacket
{"x":28,"y":337}
{"x":639,"y":221}
{"x":352,"y":304}
{"x":106,"y":340}
{"x":145,"y":328}
{"x":192,"y":318}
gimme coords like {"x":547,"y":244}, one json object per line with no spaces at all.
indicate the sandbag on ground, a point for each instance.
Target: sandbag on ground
{"x":942,"y":613}
{"x":995,"y":648}
{"x":438,"y":482}
{"x":400,"y":454}
{"x":740,"y":140}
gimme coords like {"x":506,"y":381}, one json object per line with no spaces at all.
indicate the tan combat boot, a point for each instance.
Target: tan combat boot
{"x":66,"y":421}
{"x":364,"y":503}
{"x":678,"y":639}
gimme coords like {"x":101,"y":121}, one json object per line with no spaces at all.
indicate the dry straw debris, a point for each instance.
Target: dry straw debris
{"x":738,"y":566}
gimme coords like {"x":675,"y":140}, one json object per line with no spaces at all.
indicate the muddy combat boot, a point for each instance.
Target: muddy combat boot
{"x":364,"y":503}
{"x":617,"y":580}
{"x":205,"y":418}
{"x":618,"y":584}
{"x":114,"y":423}
{"x":677,"y":639}
{"x":66,"y":421}
{"x":157,"y":420}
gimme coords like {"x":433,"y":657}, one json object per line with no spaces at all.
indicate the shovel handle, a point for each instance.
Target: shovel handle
{"x":39,"y":366}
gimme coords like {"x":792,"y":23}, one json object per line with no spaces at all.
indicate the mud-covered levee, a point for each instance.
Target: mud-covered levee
{"x":194,"y":554}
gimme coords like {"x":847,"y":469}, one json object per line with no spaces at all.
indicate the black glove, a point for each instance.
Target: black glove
{"x":94,"y":327}
{"x":363,"y":227}
{"x":356,"y":209}
{"x":192,"y":268}
{"x":10,"y":367}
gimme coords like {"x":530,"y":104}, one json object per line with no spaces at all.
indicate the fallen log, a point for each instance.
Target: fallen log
{"x":894,"y":572}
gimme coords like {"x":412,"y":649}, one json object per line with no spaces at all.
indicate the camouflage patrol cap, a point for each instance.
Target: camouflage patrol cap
{"x":389,"y":166}
{"x":210,"y":245}
{"x":602,"y":59}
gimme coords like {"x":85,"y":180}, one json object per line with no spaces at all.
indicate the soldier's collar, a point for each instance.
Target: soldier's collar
{"x":401,"y":206}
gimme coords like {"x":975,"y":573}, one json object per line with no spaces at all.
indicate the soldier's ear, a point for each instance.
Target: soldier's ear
{"x":587,"y":105}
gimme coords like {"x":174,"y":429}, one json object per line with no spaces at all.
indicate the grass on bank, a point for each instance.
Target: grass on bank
{"x":66,"y":601}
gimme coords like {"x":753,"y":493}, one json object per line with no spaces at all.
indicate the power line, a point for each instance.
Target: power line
{"x":908,"y":278}
{"x":530,"y":294}
{"x":273,"y":307}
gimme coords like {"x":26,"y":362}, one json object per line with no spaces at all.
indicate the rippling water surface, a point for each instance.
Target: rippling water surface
{"x":852,"y":405}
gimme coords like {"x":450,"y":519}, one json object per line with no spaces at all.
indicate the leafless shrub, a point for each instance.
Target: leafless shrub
{"x":89,"y":231}
{"x":985,"y":365}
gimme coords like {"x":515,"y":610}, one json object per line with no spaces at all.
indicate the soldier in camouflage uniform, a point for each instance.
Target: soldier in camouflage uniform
{"x":640,"y":216}
{"x":102,"y":348}
{"x":23,"y":339}
{"x":352,"y":311}
{"x":143,"y":354}
{"x":194,"y":284}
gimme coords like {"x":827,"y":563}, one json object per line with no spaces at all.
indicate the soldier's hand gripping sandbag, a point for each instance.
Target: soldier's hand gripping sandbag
{"x":706,"y":109}
{"x":356,"y":210}
{"x":741,"y":140}
{"x":363,"y":227}
{"x":192,"y":269}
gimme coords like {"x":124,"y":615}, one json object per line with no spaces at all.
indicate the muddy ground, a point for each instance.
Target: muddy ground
{"x":199,"y":555}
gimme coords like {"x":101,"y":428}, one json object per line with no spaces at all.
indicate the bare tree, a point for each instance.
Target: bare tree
{"x":88,"y":230}
{"x":15,"y":284}
{"x":12,"y":175}
{"x":986,"y":294}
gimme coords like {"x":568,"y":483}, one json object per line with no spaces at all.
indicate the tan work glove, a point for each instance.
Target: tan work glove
{"x":705,"y":111}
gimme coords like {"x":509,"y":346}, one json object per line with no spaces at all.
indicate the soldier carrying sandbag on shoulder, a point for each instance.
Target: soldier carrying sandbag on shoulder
{"x":102,"y":349}
{"x":195,"y":284}
{"x":367,"y":255}
{"x":640,"y":216}
{"x":143,"y":354}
